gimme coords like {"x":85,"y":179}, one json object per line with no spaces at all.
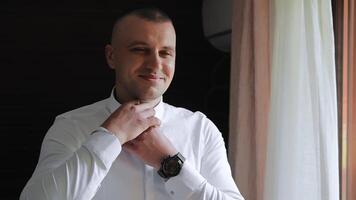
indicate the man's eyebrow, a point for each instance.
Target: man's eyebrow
{"x":169,"y":48}
{"x":134,"y":43}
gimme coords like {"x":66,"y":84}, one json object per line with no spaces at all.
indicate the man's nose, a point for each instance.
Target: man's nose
{"x":154,"y":61}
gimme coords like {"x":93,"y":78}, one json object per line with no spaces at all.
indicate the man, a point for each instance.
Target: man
{"x":132,"y":145}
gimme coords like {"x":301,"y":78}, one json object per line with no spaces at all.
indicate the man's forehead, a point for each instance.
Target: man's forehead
{"x":134,"y":20}
{"x":135,"y":29}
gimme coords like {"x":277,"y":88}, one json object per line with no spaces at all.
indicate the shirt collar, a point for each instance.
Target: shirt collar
{"x":113,"y":104}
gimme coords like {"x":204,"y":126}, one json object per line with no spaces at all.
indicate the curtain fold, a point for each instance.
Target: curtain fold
{"x":283,"y":141}
{"x":302,"y":156}
{"x":249,"y":95}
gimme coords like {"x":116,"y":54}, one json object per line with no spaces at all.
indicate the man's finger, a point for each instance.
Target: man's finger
{"x":149,"y":112}
{"x":153,"y":121}
{"x":142,"y":136}
{"x":133,"y":103}
{"x":144,"y":105}
{"x":139,"y":138}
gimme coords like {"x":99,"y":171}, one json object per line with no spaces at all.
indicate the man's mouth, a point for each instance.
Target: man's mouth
{"x":151,"y":77}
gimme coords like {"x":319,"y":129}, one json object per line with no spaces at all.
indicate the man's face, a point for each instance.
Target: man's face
{"x":143,"y":56}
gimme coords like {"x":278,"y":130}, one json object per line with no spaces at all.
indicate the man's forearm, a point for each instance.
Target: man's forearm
{"x":79,"y":176}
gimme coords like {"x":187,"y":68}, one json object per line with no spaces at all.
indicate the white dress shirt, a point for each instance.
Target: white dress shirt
{"x":81,"y":161}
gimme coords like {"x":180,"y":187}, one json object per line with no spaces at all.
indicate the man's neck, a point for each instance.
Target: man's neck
{"x":121,"y":100}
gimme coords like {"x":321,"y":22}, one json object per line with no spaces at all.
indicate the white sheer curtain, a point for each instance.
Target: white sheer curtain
{"x":302,"y":151}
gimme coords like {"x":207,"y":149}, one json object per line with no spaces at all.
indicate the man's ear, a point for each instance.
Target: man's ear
{"x":109,"y":54}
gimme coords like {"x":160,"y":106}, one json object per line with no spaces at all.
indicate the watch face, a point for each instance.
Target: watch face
{"x":172,"y":167}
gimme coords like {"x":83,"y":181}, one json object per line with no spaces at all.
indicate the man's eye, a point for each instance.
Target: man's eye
{"x":139,"y":49}
{"x":166,"y":53}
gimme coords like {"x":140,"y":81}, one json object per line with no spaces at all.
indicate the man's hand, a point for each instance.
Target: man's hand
{"x":151,"y":147}
{"x":130,"y":120}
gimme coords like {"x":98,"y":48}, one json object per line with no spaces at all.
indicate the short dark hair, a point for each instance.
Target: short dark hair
{"x":147,"y":12}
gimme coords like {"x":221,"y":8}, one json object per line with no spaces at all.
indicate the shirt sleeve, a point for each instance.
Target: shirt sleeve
{"x":213,"y":181}
{"x":71,"y":165}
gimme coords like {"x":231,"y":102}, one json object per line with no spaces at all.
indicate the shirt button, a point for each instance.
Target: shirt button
{"x":172,"y":192}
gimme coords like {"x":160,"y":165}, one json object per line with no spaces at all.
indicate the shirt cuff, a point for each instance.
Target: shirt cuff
{"x":185,"y":183}
{"x":104,"y":145}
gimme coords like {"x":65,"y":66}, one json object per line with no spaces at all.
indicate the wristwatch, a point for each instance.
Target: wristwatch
{"x":171,"y":166}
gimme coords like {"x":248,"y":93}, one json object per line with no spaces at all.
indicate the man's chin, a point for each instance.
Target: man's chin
{"x":149,"y":93}
{"x":148,"y":97}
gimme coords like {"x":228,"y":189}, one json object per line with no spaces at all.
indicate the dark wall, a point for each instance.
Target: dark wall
{"x":52,"y":60}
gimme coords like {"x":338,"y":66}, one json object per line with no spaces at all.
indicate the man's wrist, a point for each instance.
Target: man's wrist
{"x":121,"y":139}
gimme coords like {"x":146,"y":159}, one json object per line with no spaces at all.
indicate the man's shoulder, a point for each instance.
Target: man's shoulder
{"x":178,"y":116}
{"x":181,"y":112}
{"x":99,"y":107}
